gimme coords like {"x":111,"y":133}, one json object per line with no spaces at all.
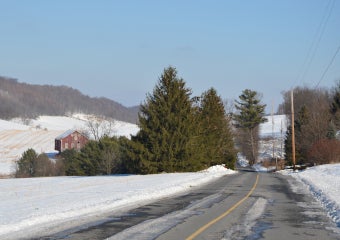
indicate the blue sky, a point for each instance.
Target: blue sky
{"x":119,"y":49}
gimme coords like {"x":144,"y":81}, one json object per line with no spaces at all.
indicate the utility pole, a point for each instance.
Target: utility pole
{"x":281,"y":153}
{"x":273,"y":140}
{"x":273,"y":136}
{"x":293,"y":129}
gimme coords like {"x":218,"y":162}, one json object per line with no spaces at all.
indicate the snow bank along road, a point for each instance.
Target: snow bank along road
{"x":246,"y":205}
{"x":42,"y":206}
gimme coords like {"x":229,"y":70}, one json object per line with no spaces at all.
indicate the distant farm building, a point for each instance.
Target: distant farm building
{"x":70,"y":139}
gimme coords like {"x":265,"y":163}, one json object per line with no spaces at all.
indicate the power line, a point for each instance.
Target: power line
{"x":328,"y":66}
{"x":315,"y":43}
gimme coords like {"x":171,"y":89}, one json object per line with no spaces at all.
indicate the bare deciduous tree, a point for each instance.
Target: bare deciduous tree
{"x":312,"y":119}
{"x":98,"y":127}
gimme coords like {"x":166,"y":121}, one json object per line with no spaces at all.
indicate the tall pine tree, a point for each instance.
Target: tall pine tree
{"x":166,"y":126}
{"x":217,"y":138}
{"x":250,"y":115}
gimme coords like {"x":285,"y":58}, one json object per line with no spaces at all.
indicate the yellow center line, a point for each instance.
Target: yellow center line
{"x":203,"y":228}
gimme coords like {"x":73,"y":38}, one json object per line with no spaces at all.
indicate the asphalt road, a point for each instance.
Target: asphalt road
{"x":272,"y":211}
{"x":246,"y":205}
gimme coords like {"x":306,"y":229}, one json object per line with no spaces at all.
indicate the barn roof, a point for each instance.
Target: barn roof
{"x":65,"y":134}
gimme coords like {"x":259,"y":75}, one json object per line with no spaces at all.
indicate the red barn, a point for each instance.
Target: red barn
{"x":70,"y":139}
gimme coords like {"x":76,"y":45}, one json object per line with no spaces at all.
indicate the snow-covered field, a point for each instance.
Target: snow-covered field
{"x":276,"y":126}
{"x":39,"y":134}
{"x":28,"y":206}
{"x":275,"y":130}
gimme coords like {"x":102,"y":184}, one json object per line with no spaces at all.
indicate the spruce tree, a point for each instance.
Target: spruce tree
{"x":250,"y":115}
{"x":72,"y":163}
{"x":218,"y":144}
{"x":335,"y":108}
{"x":90,"y":157}
{"x":26,"y":165}
{"x":301,"y":142}
{"x":132,"y":153}
{"x":166,"y":126}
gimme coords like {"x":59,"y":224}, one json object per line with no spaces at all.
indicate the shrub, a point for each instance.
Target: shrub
{"x":33,"y":165}
{"x":26,"y":164}
{"x":325,"y":151}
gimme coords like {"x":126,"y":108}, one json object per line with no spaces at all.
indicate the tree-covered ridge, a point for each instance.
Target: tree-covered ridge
{"x":27,"y":100}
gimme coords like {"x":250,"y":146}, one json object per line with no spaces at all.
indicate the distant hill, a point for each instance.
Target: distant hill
{"x":27,"y":100}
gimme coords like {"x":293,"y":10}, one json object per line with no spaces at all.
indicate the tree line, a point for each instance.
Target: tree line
{"x":178,"y":133}
{"x":30,"y":101}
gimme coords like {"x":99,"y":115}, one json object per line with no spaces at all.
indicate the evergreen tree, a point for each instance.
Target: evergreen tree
{"x":250,"y":115}
{"x":301,"y":142}
{"x":95,"y":158}
{"x":166,"y":126}
{"x":288,"y":149}
{"x":335,"y":108}
{"x":288,"y":146}
{"x":27,"y":164}
{"x":216,"y":133}
{"x":72,"y":163}
{"x":89,"y":158}
{"x":33,"y":165}
{"x":132,"y":153}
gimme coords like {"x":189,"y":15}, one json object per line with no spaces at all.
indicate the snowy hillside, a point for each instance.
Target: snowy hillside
{"x":272,"y":134}
{"x":39,"y":134}
{"x":275,"y":126}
